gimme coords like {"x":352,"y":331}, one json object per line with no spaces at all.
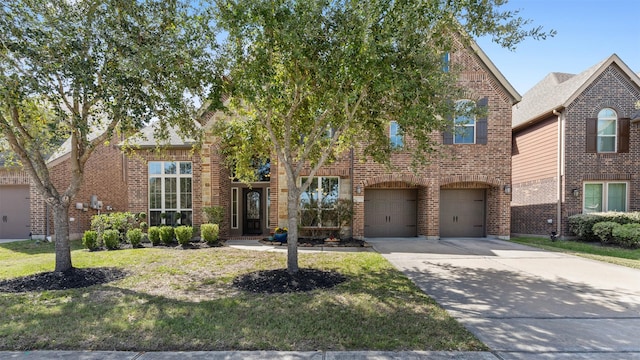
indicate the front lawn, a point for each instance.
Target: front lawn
{"x":611,"y":254}
{"x":184,"y":300}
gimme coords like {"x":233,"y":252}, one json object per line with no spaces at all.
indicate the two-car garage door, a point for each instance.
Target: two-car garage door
{"x":14,"y":212}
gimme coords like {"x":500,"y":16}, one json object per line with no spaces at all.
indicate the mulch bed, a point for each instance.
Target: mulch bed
{"x":70,"y":279}
{"x":280,"y":281}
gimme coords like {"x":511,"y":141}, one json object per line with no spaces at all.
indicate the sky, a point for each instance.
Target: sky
{"x":588,"y":31}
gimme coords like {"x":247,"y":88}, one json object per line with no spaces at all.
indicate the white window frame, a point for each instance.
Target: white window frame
{"x":396,"y":139}
{"x":471,"y":124}
{"x":235,"y":203}
{"x":163,"y":177}
{"x":268,"y":207}
{"x":615,"y":134}
{"x":318,"y":191}
{"x":605,"y":195}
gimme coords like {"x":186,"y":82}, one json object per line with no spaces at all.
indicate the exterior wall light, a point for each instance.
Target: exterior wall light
{"x":358,"y":189}
{"x":575,"y":192}
{"x":507,"y":189}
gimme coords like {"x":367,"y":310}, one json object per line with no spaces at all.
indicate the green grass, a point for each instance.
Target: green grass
{"x":610,"y":254}
{"x":184,"y":300}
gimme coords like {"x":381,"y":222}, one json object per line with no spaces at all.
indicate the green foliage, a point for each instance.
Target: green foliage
{"x":154,"y":235}
{"x":111,"y":239}
{"x":134,"y":236}
{"x":627,"y":235}
{"x":143,"y":225}
{"x":166,"y":234}
{"x":604,"y":231}
{"x":90,"y":240}
{"x":214,"y":214}
{"x":120,"y":221}
{"x":581,"y":225}
{"x":184,"y":234}
{"x":209,"y":233}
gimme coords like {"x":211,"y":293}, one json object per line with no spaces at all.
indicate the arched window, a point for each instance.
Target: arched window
{"x":607,"y":130}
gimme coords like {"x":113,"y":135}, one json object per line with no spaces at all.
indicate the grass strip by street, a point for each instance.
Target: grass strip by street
{"x":184,"y":300}
{"x":596,"y":251}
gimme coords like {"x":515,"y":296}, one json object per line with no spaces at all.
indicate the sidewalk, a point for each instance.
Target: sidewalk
{"x":247,"y":355}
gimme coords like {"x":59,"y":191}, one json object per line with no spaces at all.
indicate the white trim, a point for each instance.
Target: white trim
{"x":163,"y":177}
{"x":605,"y":193}
{"x":235,"y":216}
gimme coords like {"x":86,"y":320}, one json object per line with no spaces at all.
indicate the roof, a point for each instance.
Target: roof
{"x":146,"y":138}
{"x":557,"y":90}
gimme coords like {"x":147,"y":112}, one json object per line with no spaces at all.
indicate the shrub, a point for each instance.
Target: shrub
{"x":154,"y":235}
{"x":90,"y":240}
{"x":627,"y":235}
{"x":143,"y":225}
{"x":134,"y":236}
{"x":214,"y":214}
{"x":603,"y":230}
{"x":121,"y":221}
{"x":581,"y":225}
{"x":184,"y":234}
{"x":209,"y":233}
{"x":166,"y":234}
{"x":111,"y":239}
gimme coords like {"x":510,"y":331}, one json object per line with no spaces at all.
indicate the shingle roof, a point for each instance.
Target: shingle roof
{"x":558,"y":90}
{"x":145,"y":138}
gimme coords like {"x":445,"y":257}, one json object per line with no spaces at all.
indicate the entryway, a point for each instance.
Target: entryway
{"x":252,"y":224}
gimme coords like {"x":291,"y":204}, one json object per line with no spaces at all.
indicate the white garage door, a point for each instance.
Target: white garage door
{"x":14,"y":212}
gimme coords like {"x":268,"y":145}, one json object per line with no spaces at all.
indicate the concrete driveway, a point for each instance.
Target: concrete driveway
{"x":523,"y":302}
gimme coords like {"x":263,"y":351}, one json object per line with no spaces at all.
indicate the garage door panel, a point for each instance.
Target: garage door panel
{"x":14,"y":212}
{"x":390,"y":213}
{"x":462,"y":213}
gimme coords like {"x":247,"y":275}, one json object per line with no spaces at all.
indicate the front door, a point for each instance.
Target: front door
{"x":252,"y":211}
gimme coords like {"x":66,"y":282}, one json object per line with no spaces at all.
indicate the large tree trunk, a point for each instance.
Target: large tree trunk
{"x":61,"y":229}
{"x":293,"y":203}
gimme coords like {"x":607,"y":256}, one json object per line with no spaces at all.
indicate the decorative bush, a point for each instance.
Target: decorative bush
{"x":603,"y":230}
{"x":627,"y":235}
{"x":166,"y":234}
{"x":143,"y":225}
{"x":121,"y":221}
{"x":154,"y":235}
{"x":184,"y":234}
{"x":581,"y":225}
{"x":90,"y":240}
{"x":209,"y":233}
{"x":111,"y":239}
{"x":214,"y":214}
{"x":134,"y":237}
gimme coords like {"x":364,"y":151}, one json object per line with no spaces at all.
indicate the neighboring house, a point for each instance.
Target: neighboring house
{"x":466,"y":192}
{"x":576,"y":147}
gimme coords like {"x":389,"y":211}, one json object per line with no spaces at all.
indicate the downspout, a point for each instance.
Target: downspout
{"x":559,"y":173}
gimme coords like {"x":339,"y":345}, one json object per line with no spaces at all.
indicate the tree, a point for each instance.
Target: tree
{"x":312,"y":78}
{"x":88,"y":69}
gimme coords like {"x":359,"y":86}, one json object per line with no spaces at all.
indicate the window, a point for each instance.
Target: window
{"x":445,"y":62}
{"x":268,"y":207}
{"x":395,"y":135}
{"x":605,"y":196}
{"x":261,"y":170}
{"x":319,"y":201}
{"x":607,"y":130}
{"x":607,"y":133}
{"x":234,"y":208}
{"x":170,"y":193}
{"x":464,"y":124}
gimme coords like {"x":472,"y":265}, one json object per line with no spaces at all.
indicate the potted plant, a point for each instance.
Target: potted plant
{"x":280,"y":234}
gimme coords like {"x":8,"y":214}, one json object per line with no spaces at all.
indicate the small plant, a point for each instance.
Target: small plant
{"x":111,"y":239}
{"x":210,"y":233}
{"x":214,"y":214}
{"x":281,"y":230}
{"x":90,"y":240}
{"x":143,"y":225}
{"x":166,"y":234}
{"x":141,"y":216}
{"x":154,"y":235}
{"x":184,"y":234}
{"x":134,"y":236}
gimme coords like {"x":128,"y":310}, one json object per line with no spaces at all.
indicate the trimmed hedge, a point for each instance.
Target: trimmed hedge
{"x":581,"y":225}
{"x":134,"y":236}
{"x":111,"y":239}
{"x":209,"y":233}
{"x":184,"y":234}
{"x":90,"y":240}
{"x":166,"y":234}
{"x":627,"y":235}
{"x":154,"y":235}
{"x":604,"y":231}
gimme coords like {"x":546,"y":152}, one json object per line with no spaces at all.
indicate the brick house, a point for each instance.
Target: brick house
{"x":464,"y":193}
{"x":576,"y":147}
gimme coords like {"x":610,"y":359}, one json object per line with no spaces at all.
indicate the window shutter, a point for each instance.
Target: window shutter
{"x":623,"y":135}
{"x":482,"y":123}
{"x":592,"y":135}
{"x":447,"y":135}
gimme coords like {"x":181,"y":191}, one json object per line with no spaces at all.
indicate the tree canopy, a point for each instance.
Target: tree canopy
{"x":84,"y":70}
{"x":311,"y":79}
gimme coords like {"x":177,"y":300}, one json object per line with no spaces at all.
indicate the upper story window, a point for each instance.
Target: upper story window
{"x":607,"y":133}
{"x":261,"y":170}
{"x":445,"y":62}
{"x":465,"y":128}
{"x":464,"y":124}
{"x":607,"y":130}
{"x":395,"y":135}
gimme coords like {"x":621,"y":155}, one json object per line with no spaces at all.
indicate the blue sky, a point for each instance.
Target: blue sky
{"x":588,"y":31}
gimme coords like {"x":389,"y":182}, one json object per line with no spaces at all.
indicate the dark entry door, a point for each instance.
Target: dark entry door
{"x":252,"y":211}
